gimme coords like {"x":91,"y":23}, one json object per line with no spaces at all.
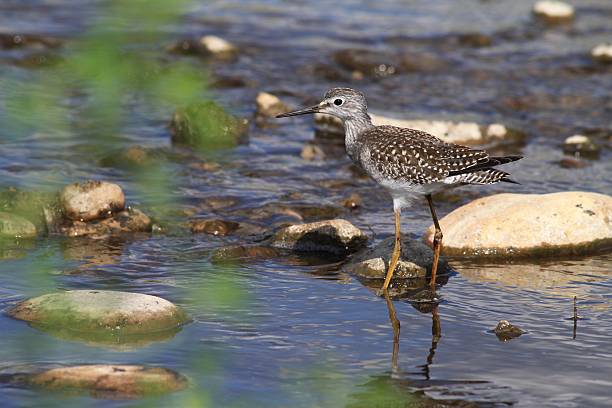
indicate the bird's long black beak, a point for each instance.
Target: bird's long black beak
{"x":305,"y":111}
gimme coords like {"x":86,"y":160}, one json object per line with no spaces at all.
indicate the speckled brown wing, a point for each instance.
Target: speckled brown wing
{"x":413,"y":156}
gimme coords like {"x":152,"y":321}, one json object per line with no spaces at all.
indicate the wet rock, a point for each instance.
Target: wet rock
{"x":602,"y":53}
{"x":127,"y":221}
{"x":214,"y":227}
{"x":37,"y":60}
{"x":243,"y":253}
{"x":572,"y":163}
{"x":506,"y":331}
{"x":415,"y":260}
{"x":553,"y":11}
{"x":451,"y":132}
{"x":269,"y":105}
{"x":580,"y":146}
{"x":353,"y":201}
{"x":205,"y":125}
{"x":379,"y":64}
{"x":529,"y":225}
{"x":474,"y":40}
{"x":8,"y":41}
{"x":311,"y":152}
{"x":368,"y":63}
{"x":206,"y":46}
{"x":91,"y":200}
{"x":111,"y":381}
{"x":100,"y":312}
{"x":14,"y":226}
{"x":335,"y":236}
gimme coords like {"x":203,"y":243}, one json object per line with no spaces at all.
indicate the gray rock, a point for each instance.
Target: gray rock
{"x":110,"y":380}
{"x":335,"y":236}
{"x":506,"y":331}
{"x":572,"y":222}
{"x":14,"y":226}
{"x":100,"y":311}
{"x":415,"y":260}
{"x":91,"y":200}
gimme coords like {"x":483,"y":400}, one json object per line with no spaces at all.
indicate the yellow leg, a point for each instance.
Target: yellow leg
{"x":396,"y":252}
{"x":437,"y":243}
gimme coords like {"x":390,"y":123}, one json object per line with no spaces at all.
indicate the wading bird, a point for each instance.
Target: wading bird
{"x":409,"y":163}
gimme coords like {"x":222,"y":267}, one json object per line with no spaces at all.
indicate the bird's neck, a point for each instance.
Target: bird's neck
{"x":353,"y":128}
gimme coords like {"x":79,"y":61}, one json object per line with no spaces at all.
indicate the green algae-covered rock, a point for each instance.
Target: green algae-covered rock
{"x":101,"y":316}
{"x":14,"y":226}
{"x":206,"y":125}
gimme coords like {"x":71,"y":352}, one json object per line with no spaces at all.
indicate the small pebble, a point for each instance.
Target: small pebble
{"x":217,"y":45}
{"x":269,"y":105}
{"x":506,"y":331}
{"x":602,"y":53}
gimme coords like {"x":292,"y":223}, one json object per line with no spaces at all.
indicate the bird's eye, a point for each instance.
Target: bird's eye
{"x":338,"y":102}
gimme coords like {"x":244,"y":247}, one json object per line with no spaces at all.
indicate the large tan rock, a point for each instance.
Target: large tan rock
{"x":528,"y":224}
{"x":104,"y":314}
{"x":91,"y":200}
{"x":335,"y":236}
{"x":111,"y":381}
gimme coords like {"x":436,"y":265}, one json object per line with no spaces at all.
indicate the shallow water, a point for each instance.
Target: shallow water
{"x":299,"y":333}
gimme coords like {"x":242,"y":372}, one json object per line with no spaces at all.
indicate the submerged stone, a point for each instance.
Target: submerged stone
{"x":243,"y":253}
{"x":91,"y":200}
{"x":214,"y":227}
{"x":206,"y":46}
{"x":14,"y":226}
{"x":101,"y":316}
{"x":110,"y":380}
{"x":206,"y":125}
{"x":529,"y":225}
{"x":335,"y":236}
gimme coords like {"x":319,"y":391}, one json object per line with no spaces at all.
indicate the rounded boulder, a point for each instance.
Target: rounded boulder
{"x":91,"y":200}
{"x":528,"y":224}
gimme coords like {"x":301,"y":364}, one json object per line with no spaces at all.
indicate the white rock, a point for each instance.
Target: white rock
{"x":602,"y":53}
{"x":577,"y":139}
{"x":496,"y":131}
{"x":555,"y":10}
{"x":217,"y":45}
